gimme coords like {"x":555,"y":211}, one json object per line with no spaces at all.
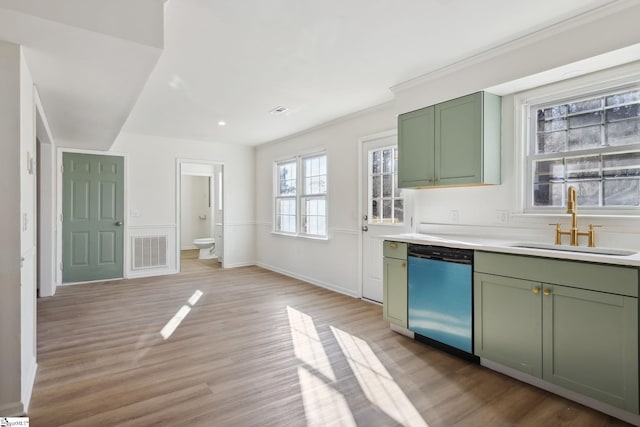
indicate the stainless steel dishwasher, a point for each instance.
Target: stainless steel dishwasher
{"x":441,"y":297}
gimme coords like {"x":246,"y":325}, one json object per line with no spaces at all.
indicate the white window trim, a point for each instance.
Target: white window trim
{"x":298,"y":159}
{"x":625,"y":75}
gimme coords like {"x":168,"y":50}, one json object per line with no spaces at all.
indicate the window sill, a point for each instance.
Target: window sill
{"x":302,"y":236}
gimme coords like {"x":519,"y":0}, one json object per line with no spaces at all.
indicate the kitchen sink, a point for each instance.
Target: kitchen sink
{"x":581,"y":249}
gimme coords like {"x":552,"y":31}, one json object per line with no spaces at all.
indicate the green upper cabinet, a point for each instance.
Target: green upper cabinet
{"x":416,"y":144}
{"x":453,"y":143}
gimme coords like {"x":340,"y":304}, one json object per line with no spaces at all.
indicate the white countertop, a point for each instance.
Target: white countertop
{"x":504,"y":246}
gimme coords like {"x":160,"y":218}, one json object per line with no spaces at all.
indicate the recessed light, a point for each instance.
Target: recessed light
{"x":222,"y":123}
{"x":279,"y":110}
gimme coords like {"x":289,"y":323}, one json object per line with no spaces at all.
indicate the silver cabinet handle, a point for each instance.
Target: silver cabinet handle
{"x":119,"y":223}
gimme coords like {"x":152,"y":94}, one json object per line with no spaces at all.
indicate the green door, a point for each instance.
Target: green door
{"x":92,"y":217}
{"x":395,"y":291}
{"x":415,"y":148}
{"x":508,"y":322}
{"x":591,"y":344}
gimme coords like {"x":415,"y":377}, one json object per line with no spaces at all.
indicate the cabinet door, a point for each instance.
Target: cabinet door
{"x":507,"y":322}
{"x":591,"y":344}
{"x":458,"y":141}
{"x":415,"y":148}
{"x":395,"y":291}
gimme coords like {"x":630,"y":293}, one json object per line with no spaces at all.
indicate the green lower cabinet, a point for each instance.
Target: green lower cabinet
{"x":590,"y":344}
{"x":583,"y":340}
{"x":507,"y":321}
{"x":395,"y":291}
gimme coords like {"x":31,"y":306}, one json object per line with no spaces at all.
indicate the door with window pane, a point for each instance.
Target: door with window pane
{"x":386,"y":208}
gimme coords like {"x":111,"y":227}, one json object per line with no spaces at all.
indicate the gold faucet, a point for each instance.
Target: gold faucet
{"x":574,"y":233}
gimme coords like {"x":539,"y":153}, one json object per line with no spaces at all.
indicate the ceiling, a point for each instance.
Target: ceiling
{"x":235,"y":61}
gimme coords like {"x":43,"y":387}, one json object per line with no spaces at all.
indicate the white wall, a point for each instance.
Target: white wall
{"x":332,"y":263}
{"x":152,"y":180}
{"x":194,"y":204}
{"x":10,"y":361}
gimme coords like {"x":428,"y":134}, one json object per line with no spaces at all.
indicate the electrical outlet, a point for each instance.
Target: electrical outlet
{"x":502,"y":216}
{"x":455,"y":217}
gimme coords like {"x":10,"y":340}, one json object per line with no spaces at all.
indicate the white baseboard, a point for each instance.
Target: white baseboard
{"x":561,"y":391}
{"x":150,"y":273}
{"x":401,"y":330}
{"x":31,"y":379}
{"x":326,"y":285}
{"x":239,"y":264}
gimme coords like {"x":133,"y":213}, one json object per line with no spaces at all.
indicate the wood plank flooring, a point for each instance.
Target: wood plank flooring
{"x":259,"y":349}
{"x":189,"y":262}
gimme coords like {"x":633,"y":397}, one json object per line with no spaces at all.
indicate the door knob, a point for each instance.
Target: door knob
{"x":119,"y":223}
{"x":365,"y":228}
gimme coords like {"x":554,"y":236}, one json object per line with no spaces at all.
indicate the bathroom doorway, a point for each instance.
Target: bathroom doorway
{"x":200,"y":216}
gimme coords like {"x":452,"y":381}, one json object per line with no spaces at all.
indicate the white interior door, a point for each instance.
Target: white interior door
{"x":386,"y":208}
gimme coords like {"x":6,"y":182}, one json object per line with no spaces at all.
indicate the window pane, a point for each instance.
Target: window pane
{"x":395,"y":159}
{"x":387,"y":158}
{"x":621,"y":192}
{"x":624,"y":97}
{"x":376,"y":161}
{"x":581,"y":106}
{"x":583,"y":167}
{"x":551,"y":125}
{"x":549,"y":170}
{"x":553,"y":112}
{"x":548,"y":194}
{"x":375,"y":210}
{"x":286,"y":215}
{"x":588,"y":192}
{"x":286,"y":179}
{"x":622,"y":113}
{"x":621,"y":165}
{"x":594,"y":118}
{"x":623,"y":132}
{"x":398,"y":211}
{"x":387,"y":189}
{"x":397,"y":191}
{"x":387,"y":209}
{"x":551,"y":142}
{"x":584,"y":138}
{"x":314,"y":216}
{"x":376,"y":184}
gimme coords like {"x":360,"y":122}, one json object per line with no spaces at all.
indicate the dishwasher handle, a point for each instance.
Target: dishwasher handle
{"x":441,"y":258}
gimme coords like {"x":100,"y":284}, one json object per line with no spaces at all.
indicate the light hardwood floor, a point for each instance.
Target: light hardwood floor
{"x":189,"y":262}
{"x":259,"y":349}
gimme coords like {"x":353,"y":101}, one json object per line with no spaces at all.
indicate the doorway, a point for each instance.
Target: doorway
{"x":200,"y":208}
{"x":386,"y":209}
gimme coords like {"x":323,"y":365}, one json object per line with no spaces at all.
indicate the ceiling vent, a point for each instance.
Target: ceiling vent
{"x":279,"y":110}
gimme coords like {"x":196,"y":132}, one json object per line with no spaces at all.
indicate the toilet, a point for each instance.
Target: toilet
{"x":206,"y":246}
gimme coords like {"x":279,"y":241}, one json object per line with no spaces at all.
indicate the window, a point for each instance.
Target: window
{"x":386,"y":202}
{"x":301,"y":196}
{"x":589,"y":142}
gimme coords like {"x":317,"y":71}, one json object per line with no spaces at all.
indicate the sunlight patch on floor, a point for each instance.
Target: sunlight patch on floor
{"x":323,"y":405}
{"x":306,"y":343}
{"x":177,"y":318}
{"x":375,"y":380}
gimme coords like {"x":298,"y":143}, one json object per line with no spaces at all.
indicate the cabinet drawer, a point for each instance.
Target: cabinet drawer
{"x":596,"y":277}
{"x":395,"y":250}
